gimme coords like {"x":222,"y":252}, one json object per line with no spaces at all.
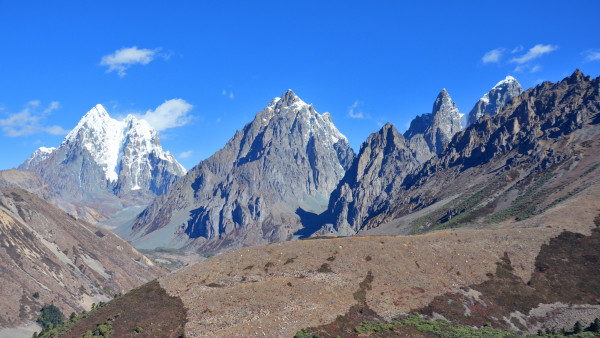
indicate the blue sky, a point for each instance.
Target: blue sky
{"x":212,"y":65}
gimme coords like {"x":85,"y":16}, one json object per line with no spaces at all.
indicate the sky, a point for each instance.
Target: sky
{"x":200,"y":70}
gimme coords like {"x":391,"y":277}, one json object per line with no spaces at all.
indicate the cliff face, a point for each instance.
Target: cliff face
{"x":288,"y":157}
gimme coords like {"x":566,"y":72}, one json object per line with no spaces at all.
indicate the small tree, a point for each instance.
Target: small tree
{"x":36,"y":295}
{"x":72,"y":316}
{"x":577,"y":328}
{"x":50,"y":316}
{"x":595,"y":326}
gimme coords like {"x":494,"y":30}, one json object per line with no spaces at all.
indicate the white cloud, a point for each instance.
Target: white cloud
{"x":186,"y":154}
{"x":124,"y":58}
{"x":492,"y":56}
{"x":172,"y":113}
{"x":353,"y":113}
{"x":229,"y":94}
{"x":528,"y":68}
{"x":29,"y":121}
{"x":592,"y":55}
{"x":517,"y":49}
{"x":534,"y":53}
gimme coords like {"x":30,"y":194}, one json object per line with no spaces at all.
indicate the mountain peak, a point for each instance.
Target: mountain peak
{"x":508,"y":80}
{"x":125,"y":152}
{"x":98,"y":111}
{"x":444,"y":104}
{"x":495,"y":99}
{"x":290,"y":98}
{"x":577,"y":76}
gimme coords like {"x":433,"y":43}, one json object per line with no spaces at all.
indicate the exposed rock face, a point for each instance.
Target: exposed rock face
{"x":495,"y":99}
{"x":288,"y":157}
{"x":67,"y":262}
{"x":428,"y":134}
{"x":376,"y":174}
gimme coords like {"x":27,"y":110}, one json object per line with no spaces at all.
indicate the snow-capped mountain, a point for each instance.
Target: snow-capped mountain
{"x":495,"y":99}
{"x":288,"y":158}
{"x":105,"y":155}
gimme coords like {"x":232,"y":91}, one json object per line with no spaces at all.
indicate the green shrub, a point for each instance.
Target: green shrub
{"x":50,"y":316}
{"x":137,"y":329}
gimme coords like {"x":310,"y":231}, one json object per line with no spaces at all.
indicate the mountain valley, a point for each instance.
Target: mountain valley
{"x":495,"y":225}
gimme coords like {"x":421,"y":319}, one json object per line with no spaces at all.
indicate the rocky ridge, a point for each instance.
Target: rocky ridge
{"x":526,"y":148}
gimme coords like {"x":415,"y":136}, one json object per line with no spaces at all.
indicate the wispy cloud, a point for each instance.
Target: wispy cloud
{"x":534,"y":53}
{"x":528,"y":68}
{"x":186,"y":154}
{"x":30,"y":120}
{"x":124,"y":58}
{"x":592,"y":55}
{"x":170,"y":114}
{"x":493,"y":56}
{"x":517,"y":49}
{"x":355,"y":113}
{"x":229,"y":94}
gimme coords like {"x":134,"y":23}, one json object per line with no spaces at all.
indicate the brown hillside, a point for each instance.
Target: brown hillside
{"x":67,"y":262}
{"x":278,"y":289}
